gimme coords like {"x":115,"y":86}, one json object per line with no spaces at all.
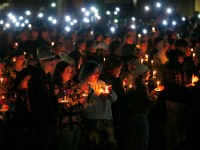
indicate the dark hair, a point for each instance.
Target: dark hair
{"x":88,"y":69}
{"x":90,"y":43}
{"x":181,"y":43}
{"x":60,"y":67}
{"x":79,"y":42}
{"x":114,"y":45}
{"x":112,"y":63}
{"x":157,"y":40}
{"x":20,"y":76}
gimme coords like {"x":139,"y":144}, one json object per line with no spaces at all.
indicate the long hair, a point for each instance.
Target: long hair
{"x":57,"y":76}
{"x":88,"y":69}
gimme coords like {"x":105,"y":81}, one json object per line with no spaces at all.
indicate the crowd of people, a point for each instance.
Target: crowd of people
{"x":96,"y":91}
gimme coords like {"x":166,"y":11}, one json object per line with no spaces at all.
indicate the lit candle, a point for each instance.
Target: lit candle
{"x":16,"y":44}
{"x":153,"y":29}
{"x":158,"y":83}
{"x":146,"y":57}
{"x":52,"y":43}
{"x":193,"y":55}
{"x":1,"y":80}
{"x":151,"y":62}
{"x":139,"y":35}
{"x":154,"y":73}
{"x":142,"y":60}
{"x":194,"y":79}
{"x":14,"y":59}
{"x":106,"y":90}
{"x":130,"y":86}
{"x":192,"y":49}
{"x":104,"y":59}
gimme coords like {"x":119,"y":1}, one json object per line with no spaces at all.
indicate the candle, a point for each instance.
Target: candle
{"x":139,"y":35}
{"x":16,"y":44}
{"x":104,"y":59}
{"x":130,"y":86}
{"x":193,"y":55}
{"x":158,"y":83}
{"x":142,"y":60}
{"x":153,"y":29}
{"x":192,"y":49}
{"x":194,"y":79}
{"x":151,"y":62}
{"x":14,"y":59}
{"x":106,"y":90}
{"x":146,"y":57}
{"x":1,"y":80}
{"x":52,"y":43}
{"x":154,"y":72}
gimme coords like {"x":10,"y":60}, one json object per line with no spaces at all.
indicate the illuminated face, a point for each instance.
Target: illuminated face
{"x":20,"y":60}
{"x":147,"y":75}
{"x":116,"y":71}
{"x":94,"y":77}
{"x":67,"y":74}
{"x":24,"y":82}
{"x":180,"y":59}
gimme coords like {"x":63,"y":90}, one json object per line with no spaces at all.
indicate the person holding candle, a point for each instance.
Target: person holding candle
{"x":17,"y":65}
{"x":97,"y":117}
{"x":70,"y":98}
{"x":160,"y":59}
{"x":111,"y":76}
{"x":139,"y":107}
{"x":20,"y":122}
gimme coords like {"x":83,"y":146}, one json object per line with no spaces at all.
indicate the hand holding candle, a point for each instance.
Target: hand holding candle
{"x":159,"y":87}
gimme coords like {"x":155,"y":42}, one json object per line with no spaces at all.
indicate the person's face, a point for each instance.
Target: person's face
{"x":47,"y":65}
{"x":180,"y":59}
{"x":129,"y":40}
{"x":45,"y":35}
{"x":147,"y":75}
{"x":188,"y":52}
{"x":132,"y":65}
{"x":82,"y":46}
{"x":34,"y":34}
{"x":24,"y":82}
{"x":144,"y":47}
{"x":116,"y":71}
{"x":67,"y":74}
{"x":20,"y":60}
{"x":94,"y":77}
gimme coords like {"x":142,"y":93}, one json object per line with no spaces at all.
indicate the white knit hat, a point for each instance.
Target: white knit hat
{"x":141,"y":70}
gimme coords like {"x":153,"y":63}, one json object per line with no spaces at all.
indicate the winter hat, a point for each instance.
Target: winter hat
{"x":45,"y":52}
{"x":141,"y":70}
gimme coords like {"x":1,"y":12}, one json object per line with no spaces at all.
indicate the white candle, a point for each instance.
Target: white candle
{"x":1,"y":80}
{"x":153,"y":29}
{"x":154,"y":72}
{"x":193,"y":55}
{"x":14,"y":59}
{"x":106,"y":90}
{"x":192,"y":49}
{"x":151,"y":62}
{"x":158,"y":83}
{"x":104,"y":59}
{"x":146,"y":57}
{"x":52,"y":43}
{"x":142,"y":60}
